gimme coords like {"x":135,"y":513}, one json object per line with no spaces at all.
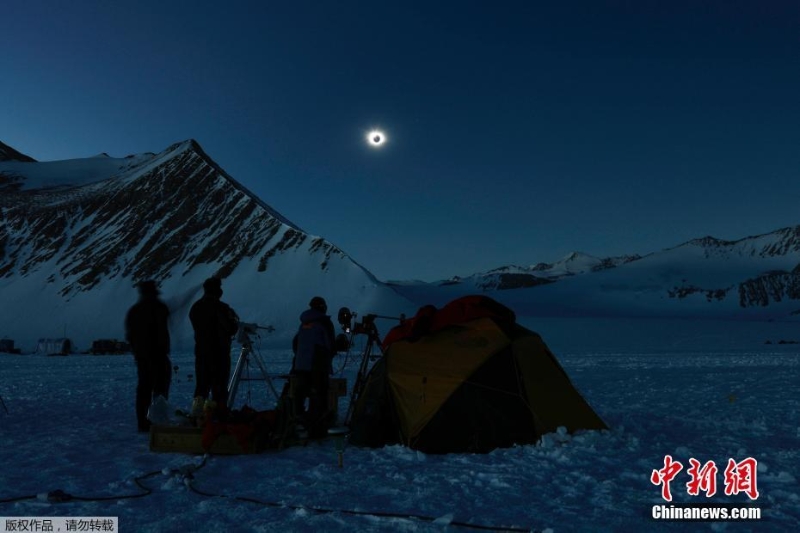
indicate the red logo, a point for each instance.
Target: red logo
{"x":738,"y":477}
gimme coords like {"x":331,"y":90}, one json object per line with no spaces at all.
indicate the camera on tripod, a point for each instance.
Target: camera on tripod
{"x":248,"y":330}
{"x":244,"y":336}
{"x":365,"y":327}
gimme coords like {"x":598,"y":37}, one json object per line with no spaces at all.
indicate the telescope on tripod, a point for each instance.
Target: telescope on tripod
{"x":247,"y":331}
{"x":372,"y":349}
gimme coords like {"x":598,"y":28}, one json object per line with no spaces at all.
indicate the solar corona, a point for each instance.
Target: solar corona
{"x":376,"y":138}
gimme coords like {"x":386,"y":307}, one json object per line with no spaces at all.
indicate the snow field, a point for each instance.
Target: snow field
{"x":71,"y":426}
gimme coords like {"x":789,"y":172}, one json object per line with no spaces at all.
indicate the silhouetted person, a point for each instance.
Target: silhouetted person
{"x":215,"y":324}
{"x":313,"y":347}
{"x":148,"y":334}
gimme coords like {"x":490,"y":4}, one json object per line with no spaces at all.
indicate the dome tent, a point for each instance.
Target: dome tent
{"x":466,"y":378}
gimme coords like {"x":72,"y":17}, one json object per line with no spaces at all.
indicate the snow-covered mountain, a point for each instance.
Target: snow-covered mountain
{"x":754,"y":277}
{"x":519,"y":277}
{"x":9,"y":154}
{"x":77,"y":235}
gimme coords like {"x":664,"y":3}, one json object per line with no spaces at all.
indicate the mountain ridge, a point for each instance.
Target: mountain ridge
{"x":755,"y":277}
{"x":72,"y":245}
{"x":8,"y":153}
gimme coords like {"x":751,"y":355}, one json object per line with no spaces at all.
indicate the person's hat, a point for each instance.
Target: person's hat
{"x":212,"y":284}
{"x":318,"y":302}
{"x":148,"y":287}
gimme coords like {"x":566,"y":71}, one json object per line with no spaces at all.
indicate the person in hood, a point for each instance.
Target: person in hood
{"x":313,"y":347}
{"x":147,"y":331}
{"x":214,"y":323}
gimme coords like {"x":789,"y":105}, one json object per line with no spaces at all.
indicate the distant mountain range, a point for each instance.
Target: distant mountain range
{"x":77,"y":235}
{"x":517,"y":277}
{"x":751,"y":278}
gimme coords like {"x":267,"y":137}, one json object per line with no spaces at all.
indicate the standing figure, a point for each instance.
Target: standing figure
{"x":313,"y":355}
{"x":147,"y":332}
{"x":214,"y":324}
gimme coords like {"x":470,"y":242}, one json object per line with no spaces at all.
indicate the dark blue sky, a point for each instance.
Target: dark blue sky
{"x":518,"y":131}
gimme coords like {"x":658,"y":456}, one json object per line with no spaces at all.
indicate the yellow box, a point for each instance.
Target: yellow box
{"x":184,"y":439}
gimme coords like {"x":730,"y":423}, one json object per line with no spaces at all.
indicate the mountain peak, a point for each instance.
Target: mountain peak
{"x":710,"y":242}
{"x":577,"y":256}
{"x":568,"y":262}
{"x":187,"y":145}
{"x":9,"y":154}
{"x":191,"y":145}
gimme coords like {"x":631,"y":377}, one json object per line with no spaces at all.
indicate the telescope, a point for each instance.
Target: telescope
{"x":243,"y":337}
{"x":248,"y":329}
{"x":365,"y":327}
{"x":367,"y":324}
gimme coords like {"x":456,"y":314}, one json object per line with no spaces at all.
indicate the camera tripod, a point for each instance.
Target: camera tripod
{"x":373,"y":340}
{"x":244,"y":337}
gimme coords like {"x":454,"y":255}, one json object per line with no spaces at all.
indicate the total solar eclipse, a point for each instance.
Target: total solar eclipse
{"x":376,"y":138}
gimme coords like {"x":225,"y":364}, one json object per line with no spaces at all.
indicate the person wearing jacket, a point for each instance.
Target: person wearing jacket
{"x":147,"y":331}
{"x":313,"y":347}
{"x":214,"y":323}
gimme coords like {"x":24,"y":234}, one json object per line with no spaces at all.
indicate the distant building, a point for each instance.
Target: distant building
{"x":7,"y":346}
{"x":60,"y":346}
{"x":109,"y":346}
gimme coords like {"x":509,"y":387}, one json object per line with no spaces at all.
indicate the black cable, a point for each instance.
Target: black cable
{"x":379,"y":514}
{"x":17,"y":499}
{"x":59,"y":496}
{"x":187,"y":471}
{"x":138,"y":480}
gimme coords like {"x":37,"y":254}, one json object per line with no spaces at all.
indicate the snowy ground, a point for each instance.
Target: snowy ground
{"x":70,"y":426}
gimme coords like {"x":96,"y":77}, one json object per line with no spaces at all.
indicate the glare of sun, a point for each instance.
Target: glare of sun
{"x":376,"y":138}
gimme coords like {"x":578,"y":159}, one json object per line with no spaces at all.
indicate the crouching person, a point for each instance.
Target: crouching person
{"x":314,"y":350}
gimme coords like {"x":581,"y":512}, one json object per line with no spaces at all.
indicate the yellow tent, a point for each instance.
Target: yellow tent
{"x":469,"y":386}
